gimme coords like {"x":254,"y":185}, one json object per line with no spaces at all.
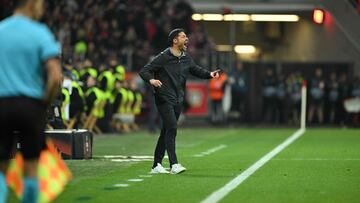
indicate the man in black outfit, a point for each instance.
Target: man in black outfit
{"x":167,"y":73}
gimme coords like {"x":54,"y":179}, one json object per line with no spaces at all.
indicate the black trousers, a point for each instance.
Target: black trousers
{"x":169,"y":115}
{"x":217,"y":114}
{"x":26,"y":116}
{"x":269,"y":109}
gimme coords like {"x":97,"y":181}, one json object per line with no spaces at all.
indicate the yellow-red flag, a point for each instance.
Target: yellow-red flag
{"x":53,"y":174}
{"x":14,"y":175}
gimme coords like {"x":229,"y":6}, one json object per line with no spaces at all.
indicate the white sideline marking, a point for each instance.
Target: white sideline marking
{"x":145,"y":176}
{"x":222,"y":192}
{"x":114,"y":156}
{"x":130,"y":160}
{"x":315,"y":159}
{"x":135,"y":180}
{"x":210,"y":151}
{"x":126,"y":157}
{"x":121,"y":185}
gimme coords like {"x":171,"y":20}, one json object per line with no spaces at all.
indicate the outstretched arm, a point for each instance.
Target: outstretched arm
{"x":200,"y":72}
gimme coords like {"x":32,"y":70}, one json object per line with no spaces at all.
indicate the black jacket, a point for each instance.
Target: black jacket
{"x":172,"y":71}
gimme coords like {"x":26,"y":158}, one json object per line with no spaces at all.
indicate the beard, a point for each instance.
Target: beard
{"x":183,"y":47}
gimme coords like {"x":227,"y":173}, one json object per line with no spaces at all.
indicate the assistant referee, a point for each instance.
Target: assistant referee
{"x":30,"y":76}
{"x":167,"y":73}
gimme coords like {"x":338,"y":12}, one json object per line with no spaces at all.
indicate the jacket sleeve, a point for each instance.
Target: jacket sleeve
{"x":147,"y":72}
{"x":198,"y":71}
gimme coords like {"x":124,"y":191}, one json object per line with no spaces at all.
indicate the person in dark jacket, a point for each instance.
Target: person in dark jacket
{"x":167,"y":73}
{"x":269,"y":84}
{"x":333,"y":97}
{"x":317,"y":97}
{"x":344,"y":93}
{"x":238,"y":80}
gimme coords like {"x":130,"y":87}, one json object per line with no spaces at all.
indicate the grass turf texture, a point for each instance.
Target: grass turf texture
{"x":321,"y":166}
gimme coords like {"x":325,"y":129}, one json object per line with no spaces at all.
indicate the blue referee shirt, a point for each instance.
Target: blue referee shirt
{"x":25,"y":45}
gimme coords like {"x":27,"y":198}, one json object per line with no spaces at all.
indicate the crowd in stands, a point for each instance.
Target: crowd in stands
{"x":98,"y":38}
{"x":98,"y":29}
{"x":100,"y":101}
{"x":281,"y":96}
{"x":327,"y":96}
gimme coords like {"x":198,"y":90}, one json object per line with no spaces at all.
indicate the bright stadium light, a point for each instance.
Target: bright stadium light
{"x":236,"y":17}
{"x":318,"y":16}
{"x":275,"y":17}
{"x":196,"y":17}
{"x":245,"y":49}
{"x":212,"y":17}
{"x":246,"y":17}
{"x":223,"y":47}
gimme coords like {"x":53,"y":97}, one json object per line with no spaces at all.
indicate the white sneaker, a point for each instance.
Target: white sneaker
{"x":177,"y":168}
{"x":158,"y":169}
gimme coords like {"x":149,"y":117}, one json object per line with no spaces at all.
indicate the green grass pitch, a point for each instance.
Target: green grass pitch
{"x":321,"y":166}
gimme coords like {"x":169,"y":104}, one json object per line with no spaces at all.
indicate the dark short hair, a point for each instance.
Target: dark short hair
{"x":173,"y":34}
{"x":19,"y":3}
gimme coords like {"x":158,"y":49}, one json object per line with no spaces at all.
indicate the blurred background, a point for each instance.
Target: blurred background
{"x":265,"y":48}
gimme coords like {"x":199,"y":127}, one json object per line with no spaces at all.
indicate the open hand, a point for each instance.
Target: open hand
{"x":155,"y":83}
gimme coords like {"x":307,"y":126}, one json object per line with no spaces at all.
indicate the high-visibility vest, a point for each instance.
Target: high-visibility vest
{"x":216,"y":87}
{"x":65,"y":102}
{"x":130,"y":102}
{"x":91,"y":71}
{"x":98,"y":107}
{"x":118,"y":77}
{"x":124,"y":100}
{"x":110,"y":84}
{"x":75,"y":73}
{"x":110,"y":80}
{"x":120,"y":73}
{"x":138,"y":102}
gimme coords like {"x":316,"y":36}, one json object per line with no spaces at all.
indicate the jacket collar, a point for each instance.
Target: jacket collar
{"x":169,"y":52}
